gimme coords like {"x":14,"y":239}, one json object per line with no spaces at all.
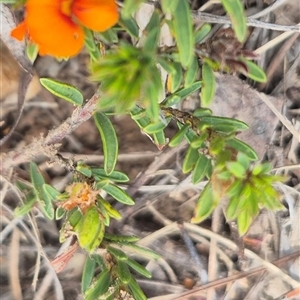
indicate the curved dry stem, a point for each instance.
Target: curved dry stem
{"x":49,"y":145}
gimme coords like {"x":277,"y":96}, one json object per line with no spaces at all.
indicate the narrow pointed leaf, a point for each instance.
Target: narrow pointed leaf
{"x":138,"y":268}
{"x":242,"y":147}
{"x":26,"y":207}
{"x":254,"y":71}
{"x":208,"y":85}
{"x":63,"y":90}
{"x":235,"y":10}
{"x":114,"y":176}
{"x":124,"y":273}
{"x":136,"y":291}
{"x":190,"y":160}
{"x":205,"y":205}
{"x":183,"y":29}
{"x":117,"y":253}
{"x":202,"y":33}
{"x":130,"y":6}
{"x":99,"y":287}
{"x":214,"y":121}
{"x":87,"y":274}
{"x":84,"y":169}
{"x":130,"y":26}
{"x":244,"y":221}
{"x":200,"y":168}
{"x":178,"y":137}
{"x":152,"y":31}
{"x":118,"y":194}
{"x":175,"y":79}
{"x":121,"y":238}
{"x":110,"y":210}
{"x":192,"y":72}
{"x":109,"y":140}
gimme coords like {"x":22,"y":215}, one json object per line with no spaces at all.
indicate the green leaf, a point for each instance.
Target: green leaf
{"x":114,"y":175}
{"x":101,"y":183}
{"x":59,"y":213}
{"x":261,"y":168}
{"x":235,"y":189}
{"x":214,"y":121}
{"x":38,"y":185}
{"x":216,"y":145}
{"x":89,"y":39}
{"x":136,"y":291}
{"x":242,"y":147}
{"x":202,"y":32}
{"x":205,"y":205}
{"x":198,"y":141}
{"x":244,"y":221}
{"x":200,"y":168}
{"x":138,"y":268}
{"x":232,"y":209}
{"x":99,"y":287}
{"x":175,"y":79}
{"x":90,"y":229}
{"x":166,"y":64}
{"x":183,"y":30}
{"x":190,"y":160}
{"x":50,"y":191}
{"x":84,"y":169}
{"x":117,"y":253}
{"x":160,"y":139}
{"x":181,"y":94}
{"x":235,"y":10}
{"x":191,"y":72}
{"x":109,"y":36}
{"x":145,"y":252}
{"x":178,"y":137}
{"x":236,"y":169}
{"x":208,"y":85}
{"x":73,"y":217}
{"x":118,"y":194}
{"x":87,"y":274}
{"x":110,"y":210}
{"x":169,"y":6}
{"x":152,"y":91}
{"x":154,"y":127}
{"x":130,"y":26}
{"x":121,"y":238}
{"x":27,"y":206}
{"x":254,"y":71}
{"x":152,"y":32}
{"x":123,"y":272}
{"x":63,"y":90}
{"x":202,"y":112}
{"x":129,"y":7}
{"x":243,"y":160}
{"x":32,"y":51}
{"x":37,"y":179}
{"x":109,"y":140}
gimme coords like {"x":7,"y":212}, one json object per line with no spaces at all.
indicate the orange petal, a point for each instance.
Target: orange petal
{"x":98,"y":15}
{"x":20,"y":31}
{"x":54,"y":33}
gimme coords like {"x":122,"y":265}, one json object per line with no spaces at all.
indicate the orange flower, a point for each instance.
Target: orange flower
{"x":55,"y":25}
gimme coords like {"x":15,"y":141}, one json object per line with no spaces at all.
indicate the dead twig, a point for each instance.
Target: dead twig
{"x":205,"y":17}
{"x":49,"y":145}
{"x":223,"y":281}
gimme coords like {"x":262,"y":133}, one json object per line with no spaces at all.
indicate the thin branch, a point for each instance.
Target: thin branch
{"x":281,"y":118}
{"x":49,"y":145}
{"x":210,"y":18}
{"x":268,"y":9}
